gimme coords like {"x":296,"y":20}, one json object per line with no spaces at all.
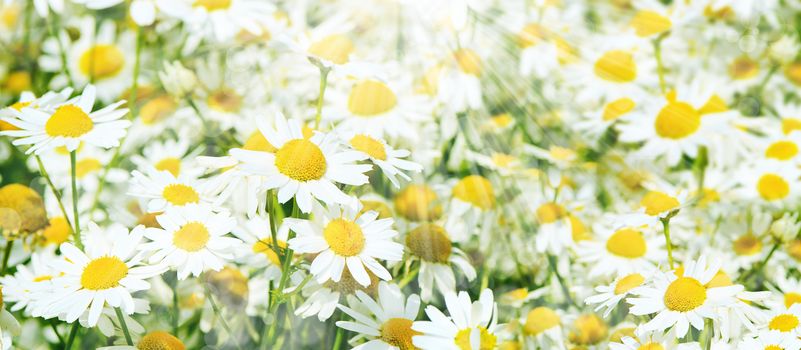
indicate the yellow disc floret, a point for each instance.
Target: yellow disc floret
{"x":398,"y":333}
{"x":102,"y":61}
{"x":69,"y":121}
{"x":430,"y":243}
{"x":626,"y":243}
{"x":191,"y":237}
{"x":476,"y":190}
{"x":301,"y":160}
{"x":684,"y":294}
{"x":103,"y":273}
{"x":180,"y":194}
{"x":160,"y":340}
{"x":370,"y":98}
{"x":345,"y":237}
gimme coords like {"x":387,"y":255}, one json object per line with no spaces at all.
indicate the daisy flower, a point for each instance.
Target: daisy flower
{"x":344,"y":236}
{"x":620,"y":252}
{"x":257,"y":249}
{"x":609,"y":296}
{"x":469,"y":326}
{"x":385,"y":157}
{"x":304,"y":168}
{"x":770,"y":340}
{"x":22,"y":288}
{"x":108,"y":272}
{"x":152,"y":340}
{"x":432,"y":245}
{"x":192,"y":239}
{"x":542,"y":327}
{"x":323,"y":299}
{"x":385,"y":321}
{"x":170,"y":155}
{"x":68,"y":124}
{"x":770,"y":181}
{"x":785,"y":321}
{"x":682,"y":300}
{"x":163,"y":190}
{"x":655,"y":205}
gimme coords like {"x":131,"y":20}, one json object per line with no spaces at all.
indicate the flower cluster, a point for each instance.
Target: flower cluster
{"x":442,"y":174}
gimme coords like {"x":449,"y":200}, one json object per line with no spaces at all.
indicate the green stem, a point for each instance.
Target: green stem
{"x":6,"y":255}
{"x":706,"y":335}
{"x":744,"y":278}
{"x":668,"y":244}
{"x":176,"y":311}
{"x":124,"y":326}
{"x":55,"y":191}
{"x":660,"y":68}
{"x":55,"y":330}
{"x":77,"y":228}
{"x":71,"y":338}
{"x":323,"y":83}
{"x":562,"y":283}
{"x":219,"y":316}
{"x":61,"y":50}
{"x":409,"y":277}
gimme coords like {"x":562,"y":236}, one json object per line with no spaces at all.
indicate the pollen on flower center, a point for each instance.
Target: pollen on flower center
{"x":539,"y":320}
{"x":213,"y":5}
{"x":369,"y":145}
{"x":335,"y":48}
{"x":677,"y":120}
{"x":783,"y":323}
{"x":69,"y":121}
{"x":180,"y":194}
{"x":487,"y":340}
{"x":418,"y":203}
{"x":102,"y":61}
{"x":476,"y":190}
{"x":617,"y":108}
{"x":191,"y":237}
{"x":656,"y":202}
{"x":550,"y":212}
{"x":370,"y":98}
{"x":344,"y":237}
{"x":430,"y":243}
{"x":772,"y":187}
{"x":171,"y":164}
{"x":627,"y":243}
{"x":398,"y":332}
{"x":616,"y":66}
{"x":160,"y":340}
{"x":103,"y":273}
{"x":684,"y":294}
{"x":628,"y":283}
{"x":782,"y":150}
{"x":651,"y":346}
{"x":301,"y":160}
{"x":747,"y":244}
{"x":790,"y":124}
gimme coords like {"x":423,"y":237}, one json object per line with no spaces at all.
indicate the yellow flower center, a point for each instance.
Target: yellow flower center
{"x":335,"y":48}
{"x":588,"y":329}
{"x":790,"y":124}
{"x":618,"y":108}
{"x":743,"y":68}
{"x":87,"y":166}
{"x":69,"y":121}
{"x":224,"y":100}
{"x":301,"y":160}
{"x":540,"y":319}
{"x":57,"y":231}
{"x":487,"y":340}
{"x":344,"y":237}
{"x":783,"y":323}
{"x":772,"y":187}
{"x":618,"y":335}
{"x":651,"y":346}
{"x":721,"y":279}
{"x":157,"y":110}
{"x":369,"y":98}
{"x":160,"y":340}
{"x":102,"y":61}
{"x":715,"y":104}
{"x":628,"y":283}
{"x":578,"y":230}
{"x":502,"y":120}
{"x":782,"y":150}
{"x":231,"y":284}
{"x":677,"y":120}
{"x":257,"y":142}
{"x":647,"y":23}
{"x":213,"y":5}
{"x":430,"y":243}
{"x":684,"y":294}
{"x":747,"y":244}
{"x":616,"y":66}
{"x":418,"y":203}
{"x":656,"y":202}
{"x":773,"y":347}
{"x":171,"y":164}
{"x":103,"y":273}
{"x":503,"y":160}
{"x":374,"y":148}
{"x":191,"y":237}
{"x":550,"y":212}
{"x":180,"y":194}
{"x":791,"y":298}
{"x":793,"y":73}
{"x":22,"y":209}
{"x":468,"y":61}
{"x":265,"y":246}
{"x":476,"y":190}
{"x":530,"y":35}
{"x":18,"y":81}
{"x":398,"y":333}
{"x":627,"y":243}
{"x":378,"y":206}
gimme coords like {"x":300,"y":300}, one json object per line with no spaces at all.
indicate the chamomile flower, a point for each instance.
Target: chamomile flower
{"x":785,"y":321}
{"x":344,"y":236}
{"x":162,"y":189}
{"x":769,"y":340}
{"x":609,"y":296}
{"x":171,"y":156}
{"x":385,"y":321}
{"x":258,"y":249}
{"x":68,"y":124}
{"x":108,"y":272}
{"x":620,"y":251}
{"x":385,"y":157}
{"x":682,"y":300}
{"x":469,"y":326}
{"x":192,"y":239}
{"x":305,"y":168}
{"x":323,"y":299}
{"x":30,"y":281}
{"x":542,"y":327}
{"x":432,"y":245}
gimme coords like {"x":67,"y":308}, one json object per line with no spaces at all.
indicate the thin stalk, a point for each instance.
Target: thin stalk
{"x":176,"y":311}
{"x":55,"y":330}
{"x":55,"y":191}
{"x":660,"y":68}
{"x":77,"y":228}
{"x":73,"y":333}
{"x":744,"y":278}
{"x":666,"y":230}
{"x":562,"y":283}
{"x":124,"y":326}
{"x":6,"y":255}
{"x":219,"y":316}
{"x":323,"y":83}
